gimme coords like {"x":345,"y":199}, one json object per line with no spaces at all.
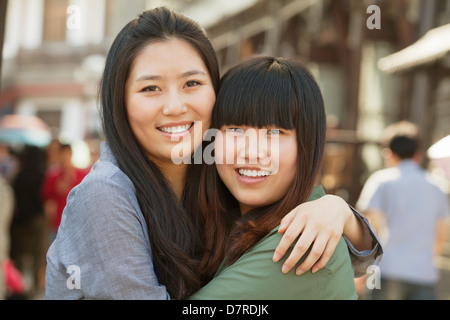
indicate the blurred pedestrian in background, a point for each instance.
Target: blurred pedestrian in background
{"x":59,"y":180}
{"x":6,"y":212}
{"x":28,"y":224}
{"x":8,"y":162}
{"x":408,"y":210}
{"x":53,"y":151}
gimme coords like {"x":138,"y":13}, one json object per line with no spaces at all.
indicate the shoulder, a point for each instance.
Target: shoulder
{"x":255,"y":276}
{"x":334,"y":281}
{"x":106,"y":197}
{"x":438,"y":184}
{"x":106,"y":171}
{"x":339,"y":259}
{"x":376,"y":182}
{"x":383,"y":176}
{"x":104,"y":178}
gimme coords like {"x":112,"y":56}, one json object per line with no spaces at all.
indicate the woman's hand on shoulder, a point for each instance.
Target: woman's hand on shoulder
{"x":321,"y":224}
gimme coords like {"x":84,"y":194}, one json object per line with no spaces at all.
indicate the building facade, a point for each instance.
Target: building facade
{"x":54,"y":51}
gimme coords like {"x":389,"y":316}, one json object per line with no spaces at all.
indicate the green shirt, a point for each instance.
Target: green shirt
{"x":254,"y":276}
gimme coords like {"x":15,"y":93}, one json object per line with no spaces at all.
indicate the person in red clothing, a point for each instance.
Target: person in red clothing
{"x":58,"y":182}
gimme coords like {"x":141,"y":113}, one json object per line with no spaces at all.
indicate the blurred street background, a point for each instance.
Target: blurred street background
{"x":377,"y":62}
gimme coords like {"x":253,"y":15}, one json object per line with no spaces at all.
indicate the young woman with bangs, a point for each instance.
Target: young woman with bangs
{"x":279,"y":102}
{"x":132,"y":228}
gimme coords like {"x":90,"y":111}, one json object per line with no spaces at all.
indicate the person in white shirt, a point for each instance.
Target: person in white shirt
{"x":408,"y":210}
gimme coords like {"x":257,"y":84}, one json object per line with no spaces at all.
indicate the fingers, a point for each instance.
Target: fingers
{"x":300,"y":248}
{"x":286,"y":221}
{"x":321,"y":252}
{"x":320,"y":232}
{"x":296,"y":225}
{"x":326,"y":256}
{"x":322,"y":242}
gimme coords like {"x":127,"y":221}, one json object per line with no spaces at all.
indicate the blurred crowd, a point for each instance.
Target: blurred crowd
{"x":34,"y":184}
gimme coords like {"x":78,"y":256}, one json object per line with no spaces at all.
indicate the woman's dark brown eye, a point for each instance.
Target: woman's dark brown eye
{"x":192,"y":83}
{"x":150,"y":89}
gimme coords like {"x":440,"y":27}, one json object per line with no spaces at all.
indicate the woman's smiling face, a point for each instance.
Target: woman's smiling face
{"x":257,"y":165}
{"x":169,"y":99}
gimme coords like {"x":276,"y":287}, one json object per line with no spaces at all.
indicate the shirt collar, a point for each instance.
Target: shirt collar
{"x":106,"y":154}
{"x":316,"y":193}
{"x":408,"y":164}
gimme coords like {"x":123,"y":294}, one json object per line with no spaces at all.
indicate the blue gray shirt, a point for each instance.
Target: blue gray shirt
{"x":102,"y":248}
{"x":412,"y":204}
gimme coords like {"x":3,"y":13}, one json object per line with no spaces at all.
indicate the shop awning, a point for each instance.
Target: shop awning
{"x":433,"y":46}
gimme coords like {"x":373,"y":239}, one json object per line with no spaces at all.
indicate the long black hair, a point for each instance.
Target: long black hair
{"x":176,"y":235}
{"x":262,"y":92}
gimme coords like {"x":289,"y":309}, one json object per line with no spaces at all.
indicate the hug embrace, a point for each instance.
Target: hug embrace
{"x":253,"y":224}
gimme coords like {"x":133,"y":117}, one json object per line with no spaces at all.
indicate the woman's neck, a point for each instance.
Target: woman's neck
{"x":176,"y":175}
{"x":245,"y":208}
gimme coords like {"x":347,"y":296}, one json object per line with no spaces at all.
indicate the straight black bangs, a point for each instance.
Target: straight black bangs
{"x":257,"y":93}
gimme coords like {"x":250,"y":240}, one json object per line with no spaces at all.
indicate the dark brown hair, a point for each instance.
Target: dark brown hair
{"x":261,"y":92}
{"x":176,"y":235}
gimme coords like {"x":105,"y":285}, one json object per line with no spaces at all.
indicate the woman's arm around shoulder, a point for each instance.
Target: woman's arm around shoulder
{"x":254,"y":277}
{"x":322,"y":222}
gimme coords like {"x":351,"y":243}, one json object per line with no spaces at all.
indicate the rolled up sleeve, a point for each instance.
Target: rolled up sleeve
{"x":361,"y":260}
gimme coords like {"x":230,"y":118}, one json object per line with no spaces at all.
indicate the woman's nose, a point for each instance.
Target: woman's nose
{"x":253,"y":147}
{"x":174,"y":105}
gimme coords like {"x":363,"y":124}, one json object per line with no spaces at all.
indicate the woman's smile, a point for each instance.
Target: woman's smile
{"x":177,"y":130}
{"x":252,"y":176}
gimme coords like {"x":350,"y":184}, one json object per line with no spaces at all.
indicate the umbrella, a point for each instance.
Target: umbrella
{"x":24,"y":130}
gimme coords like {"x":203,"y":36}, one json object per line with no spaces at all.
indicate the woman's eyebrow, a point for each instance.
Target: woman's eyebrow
{"x":191,"y":73}
{"x":183,"y":75}
{"x":148,"y":77}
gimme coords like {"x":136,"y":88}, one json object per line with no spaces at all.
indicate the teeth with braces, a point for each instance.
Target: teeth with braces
{"x":253,"y":173}
{"x":176,"y":129}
